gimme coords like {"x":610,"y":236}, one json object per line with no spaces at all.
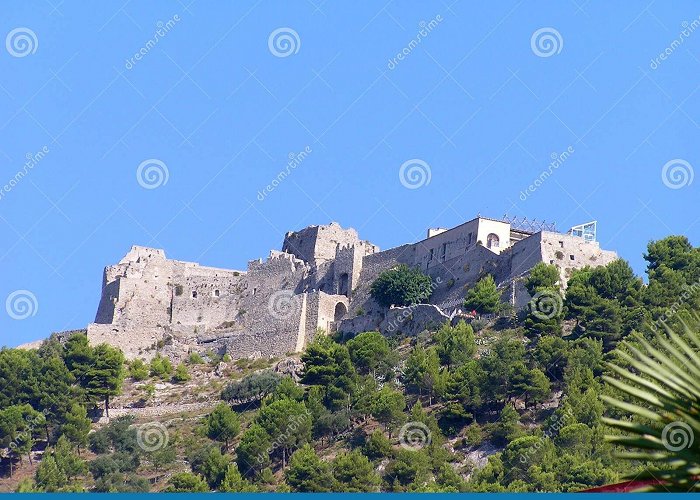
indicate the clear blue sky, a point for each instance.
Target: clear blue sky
{"x":474,"y":100}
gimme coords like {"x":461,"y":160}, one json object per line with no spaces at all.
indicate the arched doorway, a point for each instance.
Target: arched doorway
{"x":340,"y":311}
{"x":493,"y":241}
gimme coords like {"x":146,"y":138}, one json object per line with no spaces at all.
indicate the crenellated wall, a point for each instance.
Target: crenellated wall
{"x":321,"y":280}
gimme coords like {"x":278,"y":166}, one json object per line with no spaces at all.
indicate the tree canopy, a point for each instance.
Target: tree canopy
{"x":402,"y":286}
{"x":483,"y":297}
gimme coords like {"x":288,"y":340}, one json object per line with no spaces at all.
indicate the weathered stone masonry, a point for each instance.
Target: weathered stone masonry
{"x":320,"y":280}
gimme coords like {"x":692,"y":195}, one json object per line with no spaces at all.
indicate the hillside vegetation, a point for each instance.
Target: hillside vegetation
{"x":512,"y":403}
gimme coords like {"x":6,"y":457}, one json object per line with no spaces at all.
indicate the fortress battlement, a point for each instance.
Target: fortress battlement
{"x":319,"y":280}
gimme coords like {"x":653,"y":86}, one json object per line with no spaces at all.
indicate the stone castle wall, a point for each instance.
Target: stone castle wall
{"x":321,"y":280}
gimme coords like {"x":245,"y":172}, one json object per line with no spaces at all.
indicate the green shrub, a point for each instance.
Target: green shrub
{"x":186,"y":482}
{"x":119,"y":435}
{"x":181,"y":375}
{"x":195,"y":359}
{"x":402,"y":286}
{"x":161,"y":367}
{"x":138,"y":370}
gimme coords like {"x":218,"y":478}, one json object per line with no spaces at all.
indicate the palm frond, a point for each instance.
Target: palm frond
{"x":661,"y":391}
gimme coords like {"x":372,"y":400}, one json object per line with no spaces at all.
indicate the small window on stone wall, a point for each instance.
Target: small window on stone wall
{"x":216,"y":293}
{"x":572,"y":257}
{"x":492,"y":241}
{"x":194,"y":294}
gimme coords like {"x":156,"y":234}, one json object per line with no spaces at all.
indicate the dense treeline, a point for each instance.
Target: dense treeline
{"x":506,"y":406}
{"x":45,"y":396}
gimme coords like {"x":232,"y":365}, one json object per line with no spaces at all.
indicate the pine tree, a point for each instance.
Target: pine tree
{"x":67,"y":461}
{"x":354,"y":473}
{"x":222,"y":424}
{"x":388,"y":407}
{"x":289,"y":422}
{"x":484,"y":297}
{"x":507,"y":427}
{"x":253,"y":452}
{"x":78,"y":356}
{"x":234,"y":483}
{"x":186,"y":482}
{"x":328,"y":364}
{"x":455,"y":345}
{"x":76,"y":426}
{"x":49,"y":477}
{"x":308,"y":473}
{"x":105,"y":376}
{"x":371,"y":354}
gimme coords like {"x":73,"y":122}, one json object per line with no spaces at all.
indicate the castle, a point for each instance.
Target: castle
{"x":319,"y":281}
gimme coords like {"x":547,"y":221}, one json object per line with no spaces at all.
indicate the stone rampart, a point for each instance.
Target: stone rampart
{"x":321,"y":278}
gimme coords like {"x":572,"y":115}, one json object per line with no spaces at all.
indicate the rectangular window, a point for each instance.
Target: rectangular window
{"x":431,"y":254}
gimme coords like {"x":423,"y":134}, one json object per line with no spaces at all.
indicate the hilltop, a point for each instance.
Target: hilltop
{"x":495,"y":398}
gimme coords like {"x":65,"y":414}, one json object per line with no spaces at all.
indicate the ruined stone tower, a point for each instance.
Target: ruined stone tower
{"x":320,"y":280}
